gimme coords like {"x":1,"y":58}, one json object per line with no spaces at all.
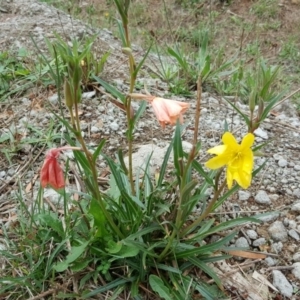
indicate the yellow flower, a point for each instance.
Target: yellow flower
{"x":237,"y":157}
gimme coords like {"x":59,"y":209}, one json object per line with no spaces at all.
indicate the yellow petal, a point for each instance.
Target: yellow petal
{"x":229,"y":140}
{"x":216,"y":162}
{"x":243,"y":179}
{"x":229,"y":178}
{"x":247,"y":164}
{"x":217,"y":150}
{"x":247,"y":141}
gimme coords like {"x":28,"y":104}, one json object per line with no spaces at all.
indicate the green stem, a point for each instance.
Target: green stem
{"x":96,"y":191}
{"x":206,"y":212}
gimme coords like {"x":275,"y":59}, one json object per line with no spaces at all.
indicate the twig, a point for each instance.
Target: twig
{"x":280,"y":268}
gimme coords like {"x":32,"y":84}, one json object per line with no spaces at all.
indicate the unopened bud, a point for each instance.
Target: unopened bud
{"x":68,"y":94}
{"x":127,"y":51}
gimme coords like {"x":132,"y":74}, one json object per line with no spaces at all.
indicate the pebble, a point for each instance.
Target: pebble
{"x":243,"y":195}
{"x":114,"y":126}
{"x":282,"y":284}
{"x":296,"y":270}
{"x":296,"y":193}
{"x":296,"y":206}
{"x":261,"y":133}
{"x":94,"y":129}
{"x":277,"y":247}
{"x":294,"y":234}
{"x":270,"y":262}
{"x":296,"y":257}
{"x":262,"y":197}
{"x":53,"y":99}
{"x":242,"y":242}
{"x":252,"y":234}
{"x":297,"y":167}
{"x":278,"y":232}
{"x":282,"y":163}
{"x":259,"y":242}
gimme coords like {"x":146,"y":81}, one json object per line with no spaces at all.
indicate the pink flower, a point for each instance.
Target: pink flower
{"x":167,"y":111}
{"x":51,"y":172}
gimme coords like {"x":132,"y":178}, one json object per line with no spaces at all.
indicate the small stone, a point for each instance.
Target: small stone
{"x":296,"y":270}
{"x":282,"y":284}
{"x":53,"y":99}
{"x":88,"y":95}
{"x":114,"y":126}
{"x":270,"y":261}
{"x":294,"y":234}
{"x":11,"y":172}
{"x":292,"y":224}
{"x":296,"y":206}
{"x":278,"y":232}
{"x":2,"y":174}
{"x":296,"y":257}
{"x":296,"y":193}
{"x":297,"y":167}
{"x":94,"y":129}
{"x":243,"y":195}
{"x":262,"y":198}
{"x":277,"y":247}
{"x":282,"y":163}
{"x":261,"y":133}
{"x":259,"y":242}
{"x":252,"y":234}
{"x":242,"y":242}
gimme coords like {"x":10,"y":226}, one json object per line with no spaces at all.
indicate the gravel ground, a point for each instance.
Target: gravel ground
{"x":276,"y":189}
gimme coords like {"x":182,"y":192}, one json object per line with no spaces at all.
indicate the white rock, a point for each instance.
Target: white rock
{"x":296,"y":270}
{"x":244,"y":195}
{"x":294,"y":234}
{"x":262,"y":198}
{"x":278,"y":232}
{"x":296,"y":206}
{"x":261,"y":133}
{"x":114,"y":126}
{"x":252,"y":234}
{"x":282,"y":163}
{"x":282,"y":284}
{"x":88,"y":95}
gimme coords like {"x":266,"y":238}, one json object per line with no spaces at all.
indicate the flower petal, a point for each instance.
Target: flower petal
{"x":243,"y":179}
{"x":216,"y":162}
{"x":247,"y":141}
{"x":229,"y":178}
{"x":217,"y":150}
{"x":229,"y":140}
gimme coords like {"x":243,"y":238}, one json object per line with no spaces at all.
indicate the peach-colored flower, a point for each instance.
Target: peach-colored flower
{"x":167,"y":111}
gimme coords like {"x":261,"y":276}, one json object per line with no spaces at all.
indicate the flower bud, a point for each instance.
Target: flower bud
{"x":68,"y":94}
{"x":127,"y":51}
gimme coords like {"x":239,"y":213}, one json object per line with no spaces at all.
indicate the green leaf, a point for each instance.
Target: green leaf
{"x":178,"y":150}
{"x":99,"y":218}
{"x":158,"y":286}
{"x":128,"y":251}
{"x":113,"y":247}
{"x":72,"y":256}
{"x":51,"y":220}
{"x":111,"y":89}
{"x":141,"y":62}
{"x":204,"y":267}
{"x":113,"y":284}
{"x":98,"y":150}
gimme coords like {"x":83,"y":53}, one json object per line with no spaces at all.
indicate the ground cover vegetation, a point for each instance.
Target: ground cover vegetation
{"x":140,"y":239}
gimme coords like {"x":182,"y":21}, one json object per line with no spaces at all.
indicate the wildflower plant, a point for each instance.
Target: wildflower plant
{"x":141,"y":236}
